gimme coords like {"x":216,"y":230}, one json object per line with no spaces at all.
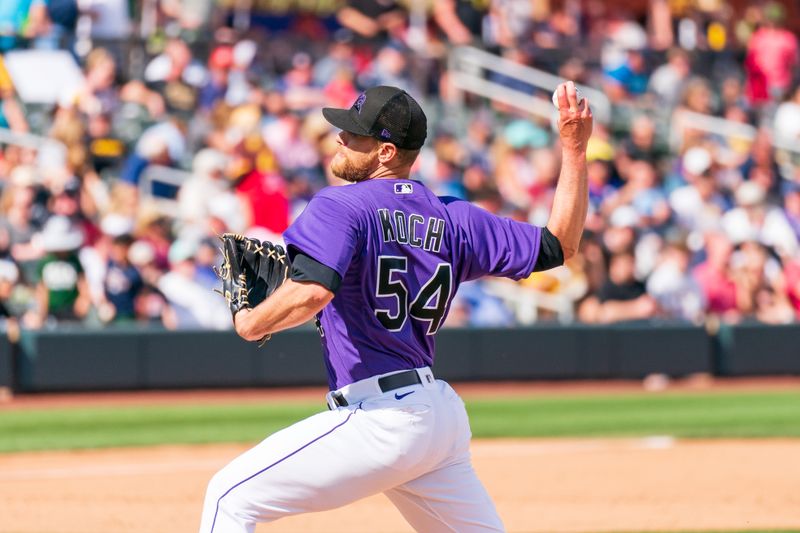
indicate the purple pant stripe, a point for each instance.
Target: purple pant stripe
{"x":216,"y":511}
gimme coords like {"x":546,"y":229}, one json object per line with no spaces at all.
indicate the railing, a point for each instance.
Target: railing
{"x":730,"y":128}
{"x":469,"y":67}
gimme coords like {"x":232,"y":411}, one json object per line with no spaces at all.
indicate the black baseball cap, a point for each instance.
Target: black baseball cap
{"x":386,"y":113}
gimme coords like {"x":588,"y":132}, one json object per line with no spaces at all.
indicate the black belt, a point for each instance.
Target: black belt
{"x":386,"y":384}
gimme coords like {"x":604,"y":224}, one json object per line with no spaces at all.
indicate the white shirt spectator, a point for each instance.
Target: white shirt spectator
{"x":677,"y":293}
{"x":110,"y":18}
{"x":693,"y":212}
{"x":207,"y":193}
{"x":756,"y":220}
{"x":194,"y":305}
{"x":787,"y":123}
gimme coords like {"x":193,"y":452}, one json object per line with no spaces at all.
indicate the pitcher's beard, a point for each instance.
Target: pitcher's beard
{"x":345,"y":169}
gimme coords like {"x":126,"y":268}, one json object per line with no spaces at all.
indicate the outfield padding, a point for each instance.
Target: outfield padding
{"x":134,"y":358}
{"x":6,"y":363}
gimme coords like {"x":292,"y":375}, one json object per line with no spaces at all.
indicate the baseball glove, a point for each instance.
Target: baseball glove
{"x":251,"y":271}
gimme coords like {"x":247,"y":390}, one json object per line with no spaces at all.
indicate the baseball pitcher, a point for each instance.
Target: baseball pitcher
{"x":377,"y":264}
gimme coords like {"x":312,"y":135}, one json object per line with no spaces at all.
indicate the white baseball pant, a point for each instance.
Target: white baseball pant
{"x":410,"y":443}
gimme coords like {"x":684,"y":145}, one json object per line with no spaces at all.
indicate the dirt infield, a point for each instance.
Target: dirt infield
{"x":539,"y":486}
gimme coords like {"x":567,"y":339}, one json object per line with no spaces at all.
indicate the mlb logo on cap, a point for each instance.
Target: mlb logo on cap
{"x":403,"y":188}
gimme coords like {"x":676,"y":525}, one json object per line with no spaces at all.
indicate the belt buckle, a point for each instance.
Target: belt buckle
{"x":335,"y":399}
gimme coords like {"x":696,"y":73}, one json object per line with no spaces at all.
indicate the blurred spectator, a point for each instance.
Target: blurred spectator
{"x":698,"y":205}
{"x":297,"y":84}
{"x":460,"y":20}
{"x":668,"y":81}
{"x":621,"y":34}
{"x":697,"y":98}
{"x":791,"y":275}
{"x":191,"y":16}
{"x":22,"y":214}
{"x":390,"y":67}
{"x":215,"y":87}
{"x":372,"y":19}
{"x":63,"y":16}
{"x":483,"y":309}
{"x":193,"y":305}
{"x":772,"y":57}
{"x":111,"y":19}
{"x":293,"y":151}
{"x":621,"y":233}
{"x":122,"y":283}
{"x":178,"y":76}
{"x":155,"y":230}
{"x":98,"y":94}
{"x":760,"y":287}
{"x":163,"y":144}
{"x":787,"y":118}
{"x":716,"y":279}
{"x":339,"y":59}
{"x":791,"y":205}
{"x":631,"y":77}
{"x":21,"y":19}
{"x":642,"y":192}
{"x":508,"y":23}
{"x":9,"y":277}
{"x":12,"y":115}
{"x":640,"y":145}
{"x":622,"y":297}
{"x":209,"y":193}
{"x":516,"y":175}
{"x":754,"y":219}
{"x":672,"y":286}
{"x":207,"y":258}
{"x":598,"y":177}
{"x":62,"y":293}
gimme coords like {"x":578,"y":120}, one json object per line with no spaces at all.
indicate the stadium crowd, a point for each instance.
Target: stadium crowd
{"x":200,"y":126}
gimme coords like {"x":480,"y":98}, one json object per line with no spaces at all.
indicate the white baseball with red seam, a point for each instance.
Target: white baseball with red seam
{"x":577,"y":93}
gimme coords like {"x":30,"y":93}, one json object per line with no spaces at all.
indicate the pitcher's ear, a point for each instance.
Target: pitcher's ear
{"x":387,"y":152}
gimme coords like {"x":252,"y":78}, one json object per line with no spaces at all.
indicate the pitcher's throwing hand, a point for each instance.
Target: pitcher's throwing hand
{"x":574,"y":118}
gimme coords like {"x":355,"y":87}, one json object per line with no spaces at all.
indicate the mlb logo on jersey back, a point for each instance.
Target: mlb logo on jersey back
{"x":403,"y":188}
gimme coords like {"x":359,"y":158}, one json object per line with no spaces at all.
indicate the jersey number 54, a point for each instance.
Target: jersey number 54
{"x":430,"y":303}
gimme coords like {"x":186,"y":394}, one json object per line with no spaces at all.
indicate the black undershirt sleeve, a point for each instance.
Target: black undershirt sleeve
{"x":305,"y":268}
{"x":550,"y":252}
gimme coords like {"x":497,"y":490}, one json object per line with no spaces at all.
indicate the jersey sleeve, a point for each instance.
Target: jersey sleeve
{"x":326,"y":231}
{"x":499,"y":246}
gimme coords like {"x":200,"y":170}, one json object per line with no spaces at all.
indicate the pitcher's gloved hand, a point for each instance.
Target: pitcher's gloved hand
{"x":251,"y":270}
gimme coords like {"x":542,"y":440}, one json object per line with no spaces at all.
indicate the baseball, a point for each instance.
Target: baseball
{"x":577,"y":93}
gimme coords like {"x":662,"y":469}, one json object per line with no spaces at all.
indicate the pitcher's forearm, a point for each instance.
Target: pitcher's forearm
{"x":294,"y":303}
{"x":570,"y":203}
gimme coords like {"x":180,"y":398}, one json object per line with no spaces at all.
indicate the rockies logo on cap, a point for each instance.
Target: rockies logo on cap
{"x":385,"y":113}
{"x":360,"y":102}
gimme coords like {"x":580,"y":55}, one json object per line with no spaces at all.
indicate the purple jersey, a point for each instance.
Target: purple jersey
{"x":401,"y":252}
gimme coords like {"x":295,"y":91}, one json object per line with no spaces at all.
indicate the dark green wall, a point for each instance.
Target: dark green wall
{"x":80,"y":359}
{"x":6,"y":363}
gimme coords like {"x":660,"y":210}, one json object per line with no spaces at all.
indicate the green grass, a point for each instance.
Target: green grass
{"x":683,"y":415}
{"x":688,"y":415}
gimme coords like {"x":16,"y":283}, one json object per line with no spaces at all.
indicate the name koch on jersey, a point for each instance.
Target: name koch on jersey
{"x":412,"y":229}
